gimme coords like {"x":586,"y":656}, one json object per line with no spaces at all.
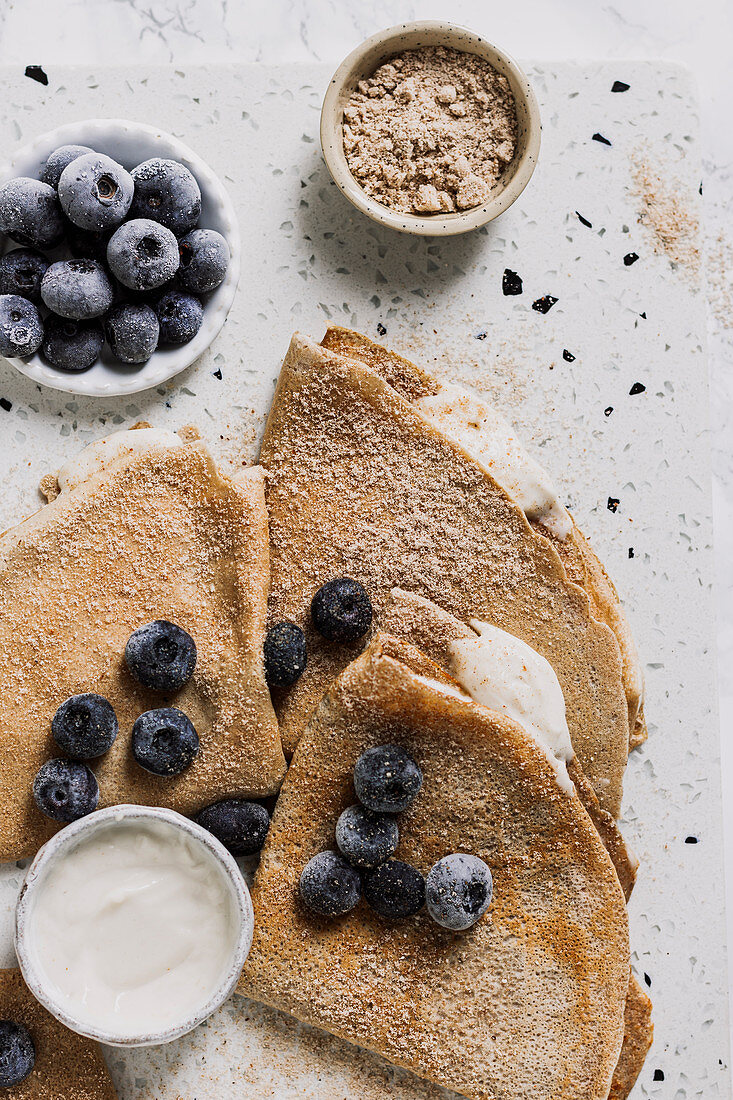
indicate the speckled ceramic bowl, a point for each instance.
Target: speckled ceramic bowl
{"x":130,"y":143}
{"x":409,"y":36}
{"x":55,"y":849}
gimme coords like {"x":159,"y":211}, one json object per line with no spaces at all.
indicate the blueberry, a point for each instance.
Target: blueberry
{"x":364,"y":838}
{"x":395,"y":889}
{"x":285,"y":654}
{"x":95,"y":192}
{"x":84,"y":726}
{"x":458,"y":891}
{"x":90,"y":244}
{"x":65,"y":790}
{"x":30,"y":213}
{"x":21,"y":327}
{"x":329,"y":885}
{"x":341,"y":610}
{"x":386,"y":779}
{"x":168,"y":193}
{"x":142,"y":254}
{"x":161,"y":655}
{"x":180,"y":316}
{"x":77,"y":289}
{"x":240,"y":826}
{"x":21,"y":272}
{"x":17,"y":1053}
{"x":164,"y":741}
{"x":132,"y":331}
{"x":204,"y":260}
{"x":60,"y":159}
{"x":72,"y":345}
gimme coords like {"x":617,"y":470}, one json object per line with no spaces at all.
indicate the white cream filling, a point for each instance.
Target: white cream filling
{"x":492,"y":442}
{"x":97,"y":456}
{"x":503,"y":673}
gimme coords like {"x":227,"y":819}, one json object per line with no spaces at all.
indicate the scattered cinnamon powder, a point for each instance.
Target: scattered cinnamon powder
{"x":674,"y":225}
{"x":431,"y":131}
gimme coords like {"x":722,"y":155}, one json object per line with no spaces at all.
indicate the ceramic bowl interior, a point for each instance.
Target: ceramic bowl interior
{"x":55,"y":850}
{"x":409,"y":36}
{"x":130,"y":143}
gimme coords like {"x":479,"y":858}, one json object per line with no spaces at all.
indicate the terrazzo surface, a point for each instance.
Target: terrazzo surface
{"x":597,"y":358}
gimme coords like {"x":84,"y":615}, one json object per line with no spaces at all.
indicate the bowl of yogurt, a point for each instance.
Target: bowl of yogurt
{"x":132,"y":925}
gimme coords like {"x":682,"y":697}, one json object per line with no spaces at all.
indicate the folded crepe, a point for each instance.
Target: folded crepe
{"x":490,"y":440}
{"x":529,"y":1003}
{"x":145,"y":527}
{"x":67,"y":1065}
{"x":362,"y":484}
{"x":443,"y":639}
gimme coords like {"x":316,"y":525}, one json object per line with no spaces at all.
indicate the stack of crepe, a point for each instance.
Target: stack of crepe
{"x":378,"y":472}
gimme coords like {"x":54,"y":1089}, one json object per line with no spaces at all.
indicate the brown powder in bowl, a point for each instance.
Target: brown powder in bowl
{"x":430,"y":131}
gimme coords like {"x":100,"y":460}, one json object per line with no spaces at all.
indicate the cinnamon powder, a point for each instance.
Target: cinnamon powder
{"x":431,"y":131}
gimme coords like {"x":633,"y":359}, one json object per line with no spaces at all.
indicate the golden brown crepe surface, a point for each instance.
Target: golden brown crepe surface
{"x":360,"y":485}
{"x":157,"y":535}
{"x":529,"y":1004}
{"x":68,"y":1066}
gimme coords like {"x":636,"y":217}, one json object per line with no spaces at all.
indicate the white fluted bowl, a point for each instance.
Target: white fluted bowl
{"x":130,"y":143}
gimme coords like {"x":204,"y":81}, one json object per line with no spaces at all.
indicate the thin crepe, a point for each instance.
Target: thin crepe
{"x":430,"y":630}
{"x":68,"y":1066}
{"x":582,"y":564}
{"x":527,"y":1005}
{"x":360,"y":484}
{"x":161,"y":534}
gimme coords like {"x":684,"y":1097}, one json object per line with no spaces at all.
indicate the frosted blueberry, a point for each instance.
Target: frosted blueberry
{"x":78,"y":289}
{"x":95,"y":192}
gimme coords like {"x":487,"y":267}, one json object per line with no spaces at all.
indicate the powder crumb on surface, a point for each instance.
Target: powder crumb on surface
{"x":431,"y":131}
{"x":664,"y":208}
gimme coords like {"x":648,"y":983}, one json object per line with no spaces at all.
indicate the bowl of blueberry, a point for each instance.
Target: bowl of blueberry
{"x":120,"y":261}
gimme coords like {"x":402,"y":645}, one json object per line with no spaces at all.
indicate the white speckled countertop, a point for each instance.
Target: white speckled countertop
{"x":109,"y":31}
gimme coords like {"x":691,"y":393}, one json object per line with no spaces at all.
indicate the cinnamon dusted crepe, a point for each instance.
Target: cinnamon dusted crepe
{"x":433,"y":632}
{"x":527,"y":1005}
{"x":361,"y":484}
{"x":68,"y":1066}
{"x":141,"y":530}
{"x":469,"y":412}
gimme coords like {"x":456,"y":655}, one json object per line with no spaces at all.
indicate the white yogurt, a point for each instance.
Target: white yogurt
{"x":505,"y":674}
{"x":134,"y":928}
{"x":99,"y":455}
{"x":492,"y":442}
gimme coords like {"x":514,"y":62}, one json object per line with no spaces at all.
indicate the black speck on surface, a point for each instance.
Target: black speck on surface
{"x":603,"y":140}
{"x":568,"y":356}
{"x":5,"y":404}
{"x":647,"y":979}
{"x":381,"y":329}
{"x":217,"y":373}
{"x":35,"y":72}
{"x":631,"y":554}
{"x":608,"y":411}
{"x":620,"y":86}
{"x":511,"y":283}
{"x":481,"y":335}
{"x":630,"y":258}
{"x":544,"y":304}
{"x":613,"y":503}
{"x":658,"y":1074}
{"x":638,"y":387}
{"x":583,"y":220}
{"x":643,"y":315}
{"x":700,"y":188}
{"x":691,"y":840}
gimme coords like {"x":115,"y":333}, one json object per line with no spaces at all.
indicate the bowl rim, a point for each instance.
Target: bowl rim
{"x":68,"y":837}
{"x":432,"y":225}
{"x":151,"y":373}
